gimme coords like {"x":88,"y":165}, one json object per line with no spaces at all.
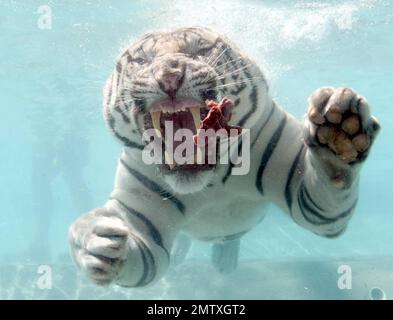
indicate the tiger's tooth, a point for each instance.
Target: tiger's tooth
{"x":196,"y":115}
{"x":156,"y":116}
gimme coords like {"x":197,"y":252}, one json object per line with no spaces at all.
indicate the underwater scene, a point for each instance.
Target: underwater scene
{"x":60,"y":149}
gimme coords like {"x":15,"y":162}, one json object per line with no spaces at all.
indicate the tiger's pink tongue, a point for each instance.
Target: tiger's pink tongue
{"x":186,"y":114}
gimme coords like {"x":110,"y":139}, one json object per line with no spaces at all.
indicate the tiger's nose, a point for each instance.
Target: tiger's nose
{"x":170,"y":82}
{"x":170,"y":75}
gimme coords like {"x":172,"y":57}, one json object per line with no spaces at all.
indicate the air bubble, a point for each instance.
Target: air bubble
{"x":377,"y":294}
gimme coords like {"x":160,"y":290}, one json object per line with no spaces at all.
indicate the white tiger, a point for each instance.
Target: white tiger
{"x":309,"y":169}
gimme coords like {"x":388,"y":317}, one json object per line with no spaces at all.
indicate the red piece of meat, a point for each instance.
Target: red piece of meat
{"x":218,"y":117}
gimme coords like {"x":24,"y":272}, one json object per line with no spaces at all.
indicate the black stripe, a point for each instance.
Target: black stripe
{"x":154,"y":187}
{"x":128,"y":143}
{"x":119,"y":67}
{"x":199,"y":75}
{"x":109,"y":86}
{"x":231,"y":165}
{"x":140,"y":83}
{"x":154,"y":233}
{"x":140,"y":92}
{"x":335,"y":234}
{"x":140,"y":104}
{"x":149,"y":267}
{"x":345,"y":213}
{"x":287,"y":192}
{"x":126,"y":119}
{"x":254,"y":103}
{"x":125,"y":104}
{"x":263,"y":126}
{"x":206,"y":83}
{"x":146,"y":267}
{"x":304,"y":209}
{"x":305,"y":192}
{"x":126,"y":54}
{"x":239,"y":88}
{"x":137,"y":123}
{"x":253,"y":96}
{"x":268,"y":153}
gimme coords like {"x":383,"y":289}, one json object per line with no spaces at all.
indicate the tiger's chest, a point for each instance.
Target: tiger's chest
{"x":217,"y":216}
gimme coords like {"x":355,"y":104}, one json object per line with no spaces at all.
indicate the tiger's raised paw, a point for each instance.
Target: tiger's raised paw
{"x":339,"y":120}
{"x":102,"y":251}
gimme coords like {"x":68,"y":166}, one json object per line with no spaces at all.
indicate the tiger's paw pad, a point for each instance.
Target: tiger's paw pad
{"x":340,"y":120}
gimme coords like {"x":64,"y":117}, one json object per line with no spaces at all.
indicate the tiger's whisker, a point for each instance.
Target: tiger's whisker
{"x":219,"y":56}
{"x":236,"y":83}
{"x":227,"y":62}
{"x":221,"y":76}
{"x":211,"y":57}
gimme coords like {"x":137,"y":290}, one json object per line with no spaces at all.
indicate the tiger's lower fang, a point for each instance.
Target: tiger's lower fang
{"x":196,"y":116}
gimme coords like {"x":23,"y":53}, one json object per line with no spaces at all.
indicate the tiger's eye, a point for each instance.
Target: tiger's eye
{"x":203,"y":52}
{"x":139,"y":60}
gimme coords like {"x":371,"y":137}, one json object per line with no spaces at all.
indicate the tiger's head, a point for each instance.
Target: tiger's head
{"x":168,"y":76}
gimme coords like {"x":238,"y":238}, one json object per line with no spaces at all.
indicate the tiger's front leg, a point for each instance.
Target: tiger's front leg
{"x":339,"y":132}
{"x":110,"y":246}
{"x":99,"y":245}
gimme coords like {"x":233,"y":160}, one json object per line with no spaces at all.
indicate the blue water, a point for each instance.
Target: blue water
{"x":58,"y":158}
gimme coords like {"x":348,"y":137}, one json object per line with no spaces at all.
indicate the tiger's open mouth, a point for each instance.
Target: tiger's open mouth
{"x":181,"y":113}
